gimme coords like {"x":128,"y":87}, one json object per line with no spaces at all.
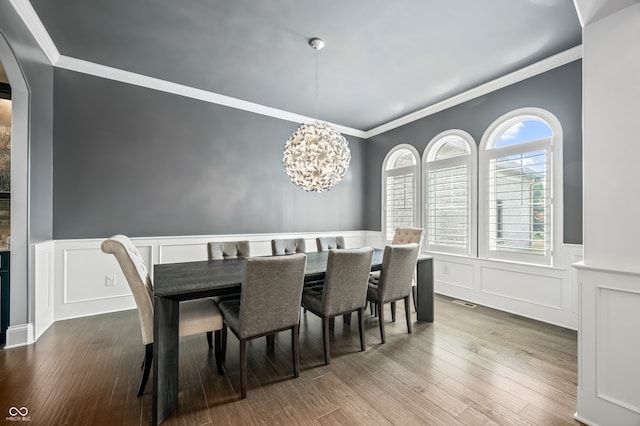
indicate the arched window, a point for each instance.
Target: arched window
{"x":400,"y":189}
{"x":521,"y":166}
{"x":450,"y":193}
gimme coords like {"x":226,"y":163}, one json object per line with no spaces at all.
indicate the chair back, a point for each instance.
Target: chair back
{"x":398,"y":267}
{"x":328,"y":243}
{"x":346,"y":280}
{"x":228,"y":249}
{"x":288,"y":246}
{"x":137,"y":275}
{"x":407,"y":236}
{"x":271,"y":293}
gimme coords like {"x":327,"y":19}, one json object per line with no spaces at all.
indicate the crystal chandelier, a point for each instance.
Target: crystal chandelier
{"x":316,"y":156}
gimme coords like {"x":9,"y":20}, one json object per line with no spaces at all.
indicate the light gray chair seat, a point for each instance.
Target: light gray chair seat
{"x":269,"y":303}
{"x":344,"y":291}
{"x":396,"y":278}
{"x":196,"y":316}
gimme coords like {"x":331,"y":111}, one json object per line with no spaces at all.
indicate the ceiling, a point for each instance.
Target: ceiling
{"x":383,"y":59}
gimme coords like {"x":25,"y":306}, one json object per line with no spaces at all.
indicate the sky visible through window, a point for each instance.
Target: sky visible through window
{"x":524,"y":131}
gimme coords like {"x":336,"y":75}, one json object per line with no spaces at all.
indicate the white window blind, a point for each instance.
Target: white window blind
{"x":520,"y":199}
{"x":448,"y":207}
{"x":400,"y":200}
{"x":449,"y":185}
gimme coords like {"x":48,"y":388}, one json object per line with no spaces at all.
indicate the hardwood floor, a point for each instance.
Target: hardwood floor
{"x":471,"y":366}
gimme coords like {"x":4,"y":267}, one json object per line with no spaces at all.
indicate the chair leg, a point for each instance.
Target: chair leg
{"x":224,"y":343}
{"x":414,"y":293}
{"x":332,"y":323}
{"x":210,"y":339}
{"x":361,"y":328}
{"x":371,"y":307}
{"x":271,"y":340}
{"x":243,"y":368}
{"x":393,"y":311}
{"x":381,"y":321}
{"x":346,"y":318}
{"x":407,"y":303}
{"x":326,"y":323}
{"x":148,"y":359}
{"x":295,"y":349}
{"x":218,"y":352}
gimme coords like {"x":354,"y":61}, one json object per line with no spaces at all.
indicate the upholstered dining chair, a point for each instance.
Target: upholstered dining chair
{"x":396,"y":277}
{"x":196,"y":316}
{"x":328,"y":243}
{"x":228,"y":249}
{"x":288,"y":246}
{"x":407,"y":236}
{"x":218,"y":250}
{"x":269,"y":303}
{"x":402,"y":236}
{"x":344,"y":291}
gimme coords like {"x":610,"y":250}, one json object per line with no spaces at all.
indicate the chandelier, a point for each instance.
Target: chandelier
{"x":316,"y":156}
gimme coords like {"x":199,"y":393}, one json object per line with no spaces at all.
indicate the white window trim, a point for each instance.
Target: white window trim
{"x":484,"y":156}
{"x":417,"y":191}
{"x":471,"y":160}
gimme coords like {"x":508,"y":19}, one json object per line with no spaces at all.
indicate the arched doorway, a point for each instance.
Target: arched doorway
{"x":21,"y":293}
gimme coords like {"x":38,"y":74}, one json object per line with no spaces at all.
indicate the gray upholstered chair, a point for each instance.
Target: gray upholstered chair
{"x":402,"y":236}
{"x":396,"y":277}
{"x":328,"y":243}
{"x":218,"y":250}
{"x":288,"y":246}
{"x":344,"y":291}
{"x":228,"y":249}
{"x":270,"y":302}
{"x":196,"y":316}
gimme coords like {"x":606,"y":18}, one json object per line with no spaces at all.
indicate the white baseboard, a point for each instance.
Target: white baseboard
{"x":19,"y":335}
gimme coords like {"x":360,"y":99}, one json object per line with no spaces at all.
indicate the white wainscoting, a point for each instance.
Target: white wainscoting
{"x":608,"y":373}
{"x":71,"y":276}
{"x":544,"y":293}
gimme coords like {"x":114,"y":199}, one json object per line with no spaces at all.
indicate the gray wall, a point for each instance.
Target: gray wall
{"x":39,"y":76}
{"x":146,"y":163}
{"x":558,"y":91}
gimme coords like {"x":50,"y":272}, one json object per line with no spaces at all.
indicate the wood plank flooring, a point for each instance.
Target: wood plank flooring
{"x":472,"y":366}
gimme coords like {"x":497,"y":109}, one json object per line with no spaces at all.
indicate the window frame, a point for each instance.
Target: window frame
{"x":470,"y":160}
{"x":487,"y":152}
{"x":415,"y":170}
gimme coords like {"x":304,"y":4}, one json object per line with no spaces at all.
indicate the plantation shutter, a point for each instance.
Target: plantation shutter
{"x":520,"y":199}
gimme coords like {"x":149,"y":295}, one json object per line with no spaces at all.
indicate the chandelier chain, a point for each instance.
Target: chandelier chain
{"x":316,"y":53}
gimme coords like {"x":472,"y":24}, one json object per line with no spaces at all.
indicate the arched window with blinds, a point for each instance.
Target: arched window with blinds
{"x":400,"y":193}
{"x":520,"y":161}
{"x":450,"y":193}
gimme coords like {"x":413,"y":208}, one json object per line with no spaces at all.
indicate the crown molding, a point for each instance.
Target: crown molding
{"x":540,"y":67}
{"x":91,"y":68}
{"x":33,"y":23}
{"x":39,"y":32}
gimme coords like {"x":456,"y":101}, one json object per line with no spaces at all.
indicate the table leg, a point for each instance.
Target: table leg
{"x":165,"y":357}
{"x":425,"y":290}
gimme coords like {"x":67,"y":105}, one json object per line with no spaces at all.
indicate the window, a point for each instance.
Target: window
{"x":449,"y":193}
{"x":400,"y":189}
{"x":520,"y":162}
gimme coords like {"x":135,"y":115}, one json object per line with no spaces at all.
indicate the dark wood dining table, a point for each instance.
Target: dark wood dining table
{"x":174,"y":282}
